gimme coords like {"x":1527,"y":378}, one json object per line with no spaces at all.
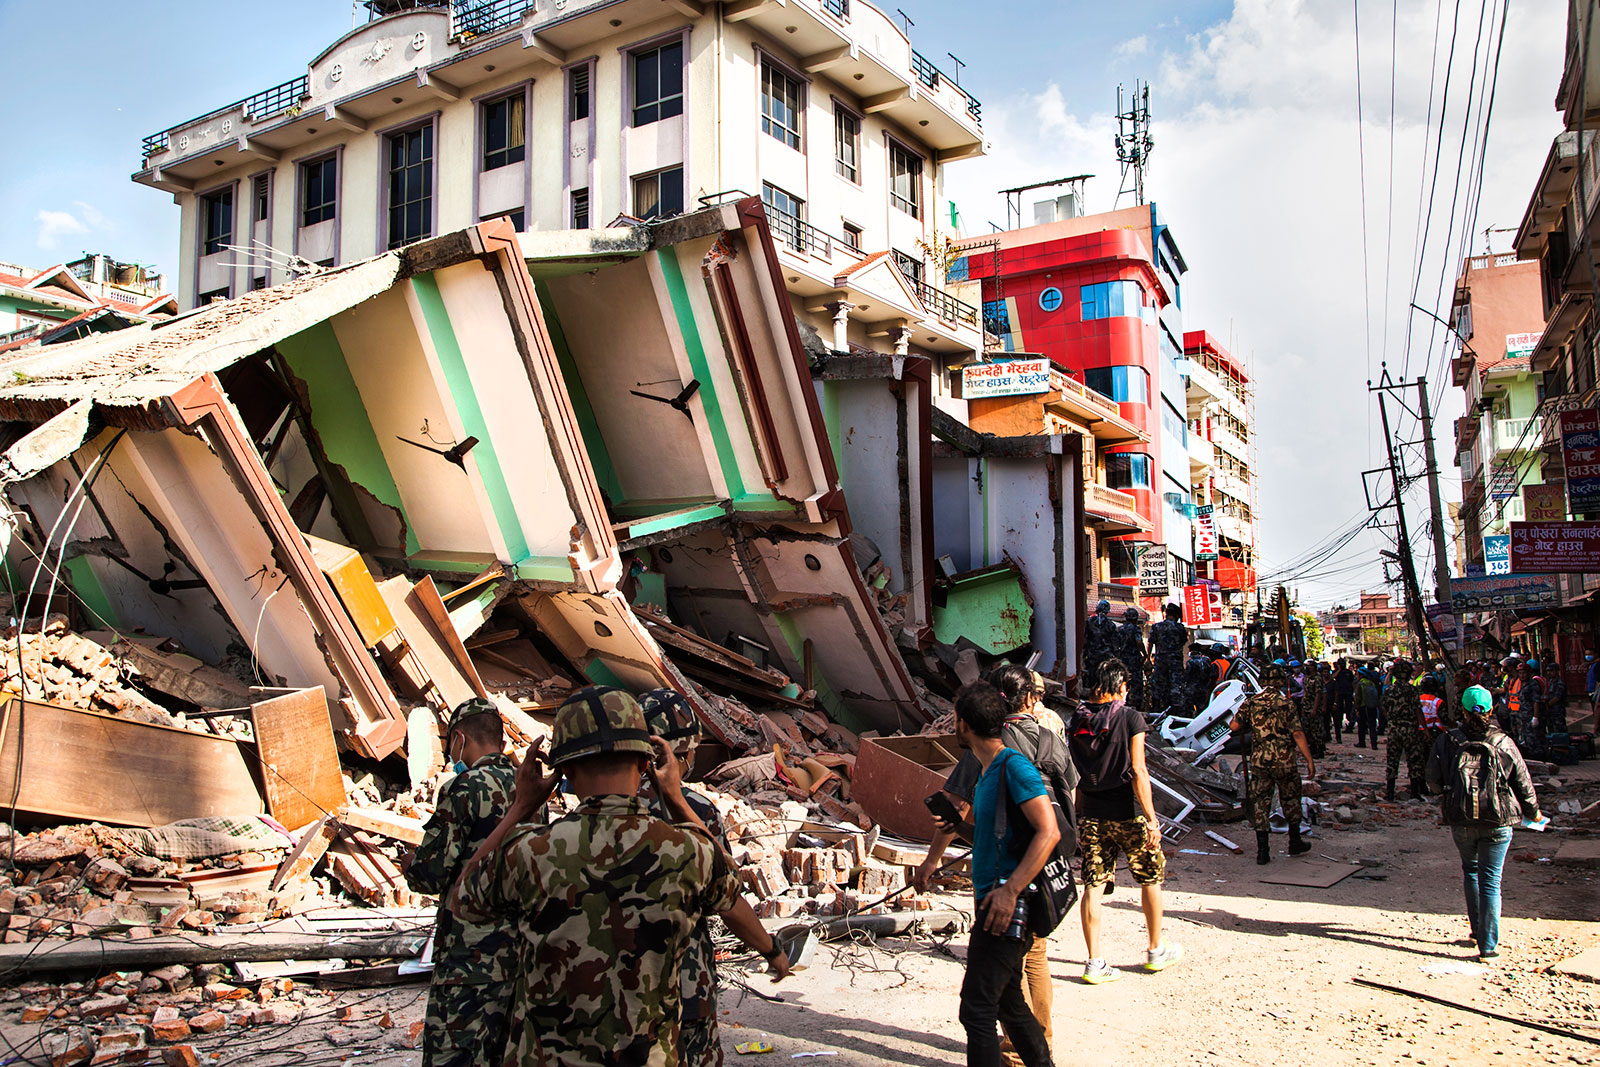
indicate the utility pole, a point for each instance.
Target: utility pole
{"x":1408,"y":571}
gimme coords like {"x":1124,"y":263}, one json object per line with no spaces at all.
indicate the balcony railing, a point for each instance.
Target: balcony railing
{"x":479,"y":18}
{"x":266,"y":104}
{"x":837,"y":8}
{"x":946,"y":306}
{"x":1107,"y":497}
{"x":932,"y":76}
{"x":1518,"y":435}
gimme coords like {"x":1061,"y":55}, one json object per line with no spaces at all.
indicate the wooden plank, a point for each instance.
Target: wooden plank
{"x":428,"y":646}
{"x":89,"y":767}
{"x":299,"y":758}
{"x":299,"y":863}
{"x":427,"y":597}
{"x":384,"y":823}
{"x":182,"y":676}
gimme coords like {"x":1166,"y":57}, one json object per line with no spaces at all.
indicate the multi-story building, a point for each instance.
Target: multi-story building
{"x":436,"y":114}
{"x":1221,"y":408}
{"x":1496,"y":318}
{"x":1099,"y":295}
{"x":1374,"y":626}
{"x":69,"y":300}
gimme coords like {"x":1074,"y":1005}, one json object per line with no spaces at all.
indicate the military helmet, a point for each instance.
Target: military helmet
{"x":1103,"y":608}
{"x":667,"y":714}
{"x":1219,"y":649}
{"x":468,"y":709}
{"x":1275,"y":672}
{"x":596,"y":719}
{"x":1477,"y":700}
{"x":1131,"y":614}
{"x":1401,"y":667}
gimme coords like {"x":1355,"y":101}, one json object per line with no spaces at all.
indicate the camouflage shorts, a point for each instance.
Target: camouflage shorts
{"x":466,"y":1025}
{"x":1102,"y":840}
{"x":699,"y":1044}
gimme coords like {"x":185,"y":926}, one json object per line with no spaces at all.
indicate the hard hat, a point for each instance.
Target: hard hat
{"x":1132,"y":614}
{"x":470,"y":708}
{"x":1103,"y":608}
{"x":1294,"y":663}
{"x":1533,"y":664}
{"x":1477,"y":699}
{"x":1279,"y":663}
{"x":599,"y":719}
{"x":667,"y":714}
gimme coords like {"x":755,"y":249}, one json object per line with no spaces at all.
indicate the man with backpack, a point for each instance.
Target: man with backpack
{"x":1486,"y":789}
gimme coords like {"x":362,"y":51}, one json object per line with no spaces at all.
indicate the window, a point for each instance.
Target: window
{"x":410,"y":185}
{"x":578,"y":97}
{"x":1128,"y":470}
{"x":786,"y":212}
{"x":996,"y":318}
{"x":659,"y":195}
{"x":658,"y":84}
{"x":505,"y":131}
{"x":1050,"y":299}
{"x":258,"y":283}
{"x":517,"y":217}
{"x":580,"y":209}
{"x":911,"y":268}
{"x":780,"y":104}
{"x":211,"y":297}
{"x":1174,"y":424}
{"x":319,"y":190}
{"x":905,"y":179}
{"x":1126,"y":385}
{"x":852,"y":237}
{"x":1108,"y":300}
{"x":846,"y":144}
{"x":216,"y":222}
{"x":260,"y":195}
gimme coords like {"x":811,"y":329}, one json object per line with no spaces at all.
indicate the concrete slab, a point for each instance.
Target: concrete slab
{"x":1585,"y":965}
{"x":1579,"y":854}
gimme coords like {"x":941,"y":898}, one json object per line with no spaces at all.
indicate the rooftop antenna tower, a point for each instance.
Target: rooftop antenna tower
{"x":1134,"y":142}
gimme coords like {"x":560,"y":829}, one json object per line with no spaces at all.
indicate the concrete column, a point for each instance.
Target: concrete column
{"x":840,"y":309}
{"x":902,"y":340}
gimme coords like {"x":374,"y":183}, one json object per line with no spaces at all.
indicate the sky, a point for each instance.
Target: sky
{"x":1257,"y":167}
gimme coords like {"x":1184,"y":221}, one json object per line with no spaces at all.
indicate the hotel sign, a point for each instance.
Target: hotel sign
{"x":1012,"y":377}
{"x":1555,"y":547}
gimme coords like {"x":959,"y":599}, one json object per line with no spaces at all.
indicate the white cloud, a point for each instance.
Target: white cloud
{"x":1255,"y":167}
{"x":54,"y":225}
{"x":1133,"y":46}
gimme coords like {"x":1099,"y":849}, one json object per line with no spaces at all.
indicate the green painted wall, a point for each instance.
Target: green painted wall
{"x":348,"y":439}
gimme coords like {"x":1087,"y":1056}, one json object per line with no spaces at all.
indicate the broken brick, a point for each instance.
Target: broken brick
{"x":208,"y":1022}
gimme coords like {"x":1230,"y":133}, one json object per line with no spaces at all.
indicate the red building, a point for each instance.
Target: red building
{"x":1099,"y":295}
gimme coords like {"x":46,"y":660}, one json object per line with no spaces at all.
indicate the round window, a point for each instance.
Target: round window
{"x":1050,"y":299}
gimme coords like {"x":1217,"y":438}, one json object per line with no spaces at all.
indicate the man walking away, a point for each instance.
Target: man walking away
{"x":1130,"y":650}
{"x":1367,"y":696}
{"x":1402,"y":709}
{"x":1313,"y":718}
{"x":1167,"y":639}
{"x":1099,"y":638}
{"x":1485,"y":786}
{"x":1342,"y":697}
{"x":1197,"y":682}
{"x":1275,"y":736}
{"x":473,"y":963}
{"x":1116,"y":814}
{"x":1001,"y":872}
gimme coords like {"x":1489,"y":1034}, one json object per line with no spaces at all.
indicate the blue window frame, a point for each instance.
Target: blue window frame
{"x":1126,"y":385}
{"x":1128,"y":470}
{"x":1050,"y":299}
{"x":1109,"y":300}
{"x":1174,"y":424}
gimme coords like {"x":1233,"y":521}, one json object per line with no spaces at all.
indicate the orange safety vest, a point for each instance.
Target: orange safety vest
{"x":1514,"y":695}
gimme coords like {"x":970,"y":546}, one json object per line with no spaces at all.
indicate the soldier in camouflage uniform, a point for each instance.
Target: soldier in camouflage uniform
{"x":1130,"y":650}
{"x":1312,"y":720}
{"x":1275,"y":735}
{"x":1167,"y":639}
{"x":605,"y":901}
{"x":1402,"y":712}
{"x":1099,"y":639}
{"x":473,"y":963}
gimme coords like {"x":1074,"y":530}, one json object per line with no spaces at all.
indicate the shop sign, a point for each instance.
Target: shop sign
{"x":1521,"y":344}
{"x":1580,"y":451}
{"x":1012,"y":377}
{"x":1497,"y":554}
{"x":1200,"y":606}
{"x":1205,"y":532}
{"x":1153,"y":570}
{"x":1508,"y":591}
{"x":1545,"y":503}
{"x":1555,"y":547}
{"x":1442,"y":623}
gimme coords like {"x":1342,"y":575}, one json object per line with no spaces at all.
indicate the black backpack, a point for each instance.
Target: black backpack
{"x":1048,"y":751}
{"x":1477,"y":791}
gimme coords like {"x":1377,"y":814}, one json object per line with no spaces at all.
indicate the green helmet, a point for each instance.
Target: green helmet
{"x":470,"y":708}
{"x":1477,"y":700}
{"x":599,"y":719}
{"x":667,"y":714}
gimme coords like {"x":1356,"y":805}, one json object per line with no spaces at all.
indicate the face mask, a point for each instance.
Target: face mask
{"x":458,"y":767}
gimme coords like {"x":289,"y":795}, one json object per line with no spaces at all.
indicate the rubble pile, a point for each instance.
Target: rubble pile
{"x":65,"y":668}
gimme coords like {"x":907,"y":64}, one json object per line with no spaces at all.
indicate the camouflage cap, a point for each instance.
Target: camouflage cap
{"x":596,"y":719}
{"x":471,"y":708}
{"x":667,"y":714}
{"x":1276,"y":672}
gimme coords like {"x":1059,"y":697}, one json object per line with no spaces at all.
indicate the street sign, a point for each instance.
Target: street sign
{"x":1509,"y":591}
{"x":1555,"y":547}
{"x":1545,"y":503}
{"x":1580,"y":450}
{"x":1205,"y":532}
{"x":1012,"y":377}
{"x":1153,"y":570}
{"x":1521,"y":344}
{"x":1497,"y":554}
{"x":1200,"y":606}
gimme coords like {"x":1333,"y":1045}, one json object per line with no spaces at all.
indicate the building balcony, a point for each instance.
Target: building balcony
{"x":1101,"y":414}
{"x":1518,"y":435}
{"x":1231,"y":485}
{"x":1213,"y":387}
{"x":1230,"y":443}
{"x":1236,"y":529}
{"x":1467,"y":427}
{"x":1112,"y":512}
{"x":1202,"y":458}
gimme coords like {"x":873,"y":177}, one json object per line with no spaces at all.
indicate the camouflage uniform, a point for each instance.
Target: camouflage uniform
{"x":1130,"y":650}
{"x":1402,"y":711}
{"x":1270,"y":717}
{"x":604,"y":903}
{"x":1312,"y":720}
{"x":1167,"y":638}
{"x":700,"y":1045}
{"x":473,"y":964}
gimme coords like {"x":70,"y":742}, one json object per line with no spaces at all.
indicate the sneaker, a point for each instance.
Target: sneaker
{"x":1159,"y":959}
{"x":1489,"y":954}
{"x":1098,"y":972}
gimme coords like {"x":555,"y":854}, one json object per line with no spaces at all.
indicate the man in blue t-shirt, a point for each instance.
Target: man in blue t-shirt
{"x":1002,"y":867}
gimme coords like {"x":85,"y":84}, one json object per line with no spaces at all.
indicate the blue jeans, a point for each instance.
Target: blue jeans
{"x":1483,"y":854}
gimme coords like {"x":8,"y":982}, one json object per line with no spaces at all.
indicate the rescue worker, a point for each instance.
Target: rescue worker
{"x":473,"y":963}
{"x":1313,"y":715}
{"x":1130,"y":650}
{"x":1198,"y":681}
{"x":1368,"y":696}
{"x":1341,"y":700}
{"x":1167,"y":639}
{"x":1430,"y":694}
{"x":605,"y":901}
{"x":1523,"y":694}
{"x":1402,"y":710}
{"x":1099,"y":639}
{"x":1222,"y":660}
{"x":1275,"y":736}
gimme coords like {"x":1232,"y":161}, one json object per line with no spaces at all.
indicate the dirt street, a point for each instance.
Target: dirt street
{"x":1267,"y":978}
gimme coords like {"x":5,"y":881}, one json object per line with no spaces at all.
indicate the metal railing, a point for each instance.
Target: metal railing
{"x":799,"y":235}
{"x":837,"y":8}
{"x":156,"y":142}
{"x":263,"y":105}
{"x":946,"y":306}
{"x":479,"y":18}
{"x":932,"y":76}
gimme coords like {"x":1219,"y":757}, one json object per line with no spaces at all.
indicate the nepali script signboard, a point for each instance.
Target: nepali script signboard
{"x":1012,"y":377}
{"x":1205,"y":532}
{"x":1555,"y":547}
{"x":1153,"y":570}
{"x":1544,"y":503}
{"x":1496,"y":554}
{"x":1507,"y":591}
{"x":1580,"y":450}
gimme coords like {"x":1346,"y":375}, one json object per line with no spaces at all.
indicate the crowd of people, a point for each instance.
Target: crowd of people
{"x":585,"y":938}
